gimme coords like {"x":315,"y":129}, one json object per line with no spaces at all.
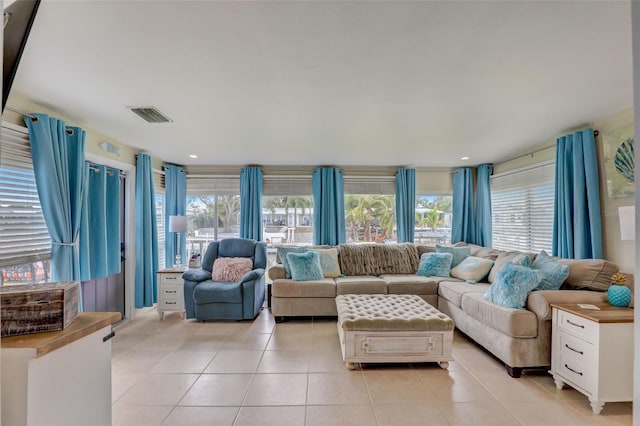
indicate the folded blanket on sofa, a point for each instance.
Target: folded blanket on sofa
{"x":378,"y":259}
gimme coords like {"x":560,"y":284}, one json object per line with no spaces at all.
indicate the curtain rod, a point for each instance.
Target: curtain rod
{"x":530,"y":154}
{"x":32,"y":117}
{"x":10,"y":108}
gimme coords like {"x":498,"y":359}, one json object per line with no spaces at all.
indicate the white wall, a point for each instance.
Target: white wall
{"x":635,"y":24}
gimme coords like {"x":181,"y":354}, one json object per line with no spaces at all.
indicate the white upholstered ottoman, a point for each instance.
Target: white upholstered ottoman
{"x":392,"y":328}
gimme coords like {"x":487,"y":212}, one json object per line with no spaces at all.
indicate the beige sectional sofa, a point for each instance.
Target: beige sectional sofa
{"x":520,"y":338}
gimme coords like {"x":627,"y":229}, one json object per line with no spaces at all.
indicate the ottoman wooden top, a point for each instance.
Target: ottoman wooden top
{"x":387,"y":312}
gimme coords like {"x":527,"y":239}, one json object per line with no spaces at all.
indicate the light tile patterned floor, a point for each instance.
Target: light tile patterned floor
{"x":184,"y":372}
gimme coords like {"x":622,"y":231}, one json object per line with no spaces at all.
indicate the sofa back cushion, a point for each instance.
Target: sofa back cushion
{"x":479,"y":251}
{"x":504,"y":257}
{"x":591,"y":274}
{"x":378,"y":259}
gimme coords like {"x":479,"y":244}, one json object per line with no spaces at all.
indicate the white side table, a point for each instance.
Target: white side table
{"x":592,"y":351}
{"x":170,"y":291}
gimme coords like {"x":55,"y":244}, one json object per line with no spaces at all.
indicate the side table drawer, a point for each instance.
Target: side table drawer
{"x":170,"y":278}
{"x":577,"y":372}
{"x":171,"y":303}
{"x":171,"y":290}
{"x":574,"y":347}
{"x":577,"y":326}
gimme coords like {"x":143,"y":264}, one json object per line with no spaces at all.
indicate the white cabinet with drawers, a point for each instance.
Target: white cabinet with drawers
{"x":170,"y":291}
{"x":592,"y":351}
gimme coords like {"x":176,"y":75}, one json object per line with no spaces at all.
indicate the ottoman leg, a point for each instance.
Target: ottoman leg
{"x":443,"y":364}
{"x":351,"y":365}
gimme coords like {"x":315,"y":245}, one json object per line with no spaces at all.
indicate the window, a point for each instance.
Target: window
{"x":522,"y":208}
{"x":213,"y":209}
{"x":433,"y":219}
{"x":370,"y":207}
{"x":287,"y":212}
{"x":25,"y":244}
{"x":158,"y":188}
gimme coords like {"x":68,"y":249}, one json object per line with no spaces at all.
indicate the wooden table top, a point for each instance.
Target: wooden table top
{"x":43,"y":343}
{"x":606,"y":314}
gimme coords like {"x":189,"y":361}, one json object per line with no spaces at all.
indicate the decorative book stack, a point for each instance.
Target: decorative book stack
{"x":36,"y":308}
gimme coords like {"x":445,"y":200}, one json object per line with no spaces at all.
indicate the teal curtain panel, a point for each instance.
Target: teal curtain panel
{"x":251,"y":187}
{"x":58,"y":163}
{"x":577,"y":225}
{"x":483,"y":205}
{"x":463,"y":221}
{"x":146,"y":238}
{"x":328,"y":206}
{"x":406,"y":204}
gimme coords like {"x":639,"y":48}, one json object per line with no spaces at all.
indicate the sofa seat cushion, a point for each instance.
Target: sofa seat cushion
{"x":364,"y":284}
{"x":217,"y":292}
{"x":410,"y":284}
{"x":454,"y":290}
{"x":325,"y":287}
{"x":518,"y":323}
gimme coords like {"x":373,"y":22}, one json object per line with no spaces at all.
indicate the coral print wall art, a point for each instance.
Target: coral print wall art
{"x":618,"y":162}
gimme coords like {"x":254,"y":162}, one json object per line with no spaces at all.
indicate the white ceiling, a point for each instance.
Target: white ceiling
{"x":331,"y":83}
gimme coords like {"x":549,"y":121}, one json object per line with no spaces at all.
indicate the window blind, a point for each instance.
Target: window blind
{"x":201,"y":185}
{"x":24,"y":237}
{"x":522,"y":208}
{"x":356,"y":185}
{"x":158,"y":188}
{"x":287,"y":185}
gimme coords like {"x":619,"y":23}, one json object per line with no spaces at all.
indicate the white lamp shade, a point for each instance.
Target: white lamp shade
{"x":627,"y":215}
{"x":177,"y":224}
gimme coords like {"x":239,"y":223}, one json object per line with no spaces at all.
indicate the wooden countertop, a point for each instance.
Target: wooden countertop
{"x":83,"y":325}
{"x":606,"y":314}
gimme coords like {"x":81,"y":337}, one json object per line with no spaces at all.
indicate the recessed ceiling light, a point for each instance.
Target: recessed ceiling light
{"x":193,"y":156}
{"x":464,"y":158}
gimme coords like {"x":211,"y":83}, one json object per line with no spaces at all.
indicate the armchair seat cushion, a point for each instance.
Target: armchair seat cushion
{"x":217,"y":292}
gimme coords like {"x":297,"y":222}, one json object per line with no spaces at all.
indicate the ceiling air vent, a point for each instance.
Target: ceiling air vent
{"x":151,"y":114}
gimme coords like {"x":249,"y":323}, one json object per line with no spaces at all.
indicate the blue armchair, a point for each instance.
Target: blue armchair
{"x":206,"y":299}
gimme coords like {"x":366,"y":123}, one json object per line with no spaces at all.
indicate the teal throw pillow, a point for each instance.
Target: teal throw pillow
{"x":305,"y":266}
{"x":435,"y":264}
{"x":459,"y":253}
{"x":472,"y":269}
{"x":282,"y":254}
{"x":553,"y":273}
{"x":512,"y":285}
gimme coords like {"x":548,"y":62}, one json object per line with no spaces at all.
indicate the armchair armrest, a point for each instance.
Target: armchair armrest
{"x":252,"y":275}
{"x":197,"y":275}
{"x":539,"y":302}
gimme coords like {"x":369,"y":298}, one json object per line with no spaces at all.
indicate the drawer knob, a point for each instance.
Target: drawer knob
{"x":575,"y":325}
{"x":571,"y":369}
{"x":572,"y":349}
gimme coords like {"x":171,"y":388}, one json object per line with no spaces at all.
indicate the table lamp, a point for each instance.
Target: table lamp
{"x":178,"y":224}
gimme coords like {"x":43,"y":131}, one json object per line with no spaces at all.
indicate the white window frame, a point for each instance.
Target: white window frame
{"x":522,"y":205}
